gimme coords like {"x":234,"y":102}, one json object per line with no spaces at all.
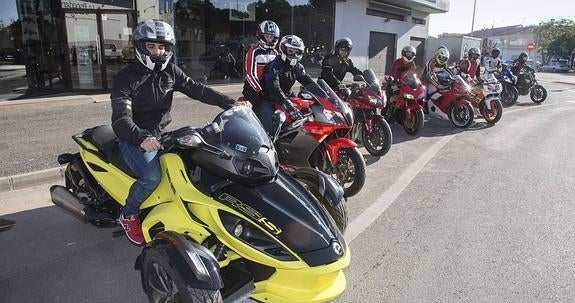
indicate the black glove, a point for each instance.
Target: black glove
{"x":294,"y":113}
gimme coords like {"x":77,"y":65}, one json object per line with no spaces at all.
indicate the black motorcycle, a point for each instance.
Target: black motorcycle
{"x":527,"y":85}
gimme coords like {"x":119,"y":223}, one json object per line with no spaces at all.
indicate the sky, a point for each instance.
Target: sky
{"x":498,"y":13}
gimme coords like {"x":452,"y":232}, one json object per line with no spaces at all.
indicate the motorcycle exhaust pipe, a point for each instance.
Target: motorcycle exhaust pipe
{"x":64,"y":199}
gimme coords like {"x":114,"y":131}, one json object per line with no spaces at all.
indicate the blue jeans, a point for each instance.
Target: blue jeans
{"x":265,"y":112}
{"x":147,"y":167}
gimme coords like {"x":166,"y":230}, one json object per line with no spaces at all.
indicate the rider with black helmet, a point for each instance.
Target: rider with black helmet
{"x":521,"y":63}
{"x":493,"y":63}
{"x":141,"y":97}
{"x":334,"y":66}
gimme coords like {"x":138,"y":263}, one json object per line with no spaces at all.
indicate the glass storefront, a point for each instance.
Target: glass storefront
{"x":214,"y":36}
{"x":50,"y":46}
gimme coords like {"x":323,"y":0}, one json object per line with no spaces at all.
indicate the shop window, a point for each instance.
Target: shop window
{"x":213,"y":37}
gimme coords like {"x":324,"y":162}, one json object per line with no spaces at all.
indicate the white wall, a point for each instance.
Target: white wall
{"x":352,"y":21}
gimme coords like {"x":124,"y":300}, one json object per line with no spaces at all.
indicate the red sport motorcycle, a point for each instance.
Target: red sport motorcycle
{"x":454,"y":104}
{"x":406,"y":97}
{"x":319,"y":139}
{"x":365,"y":98}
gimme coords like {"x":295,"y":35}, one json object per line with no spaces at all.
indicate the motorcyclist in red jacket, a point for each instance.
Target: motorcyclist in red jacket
{"x":268,"y":34}
{"x":470,"y":66}
{"x":405,"y":64}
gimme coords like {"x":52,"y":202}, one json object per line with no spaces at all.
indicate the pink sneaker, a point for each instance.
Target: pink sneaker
{"x":133,"y":228}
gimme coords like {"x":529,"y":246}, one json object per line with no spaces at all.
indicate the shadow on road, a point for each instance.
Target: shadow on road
{"x":48,"y":256}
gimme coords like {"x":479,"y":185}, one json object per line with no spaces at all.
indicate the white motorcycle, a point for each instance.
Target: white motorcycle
{"x":485,"y":97}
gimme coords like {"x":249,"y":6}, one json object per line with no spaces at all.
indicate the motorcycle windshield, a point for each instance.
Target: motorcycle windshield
{"x":240,"y":129}
{"x":411,"y":80}
{"x":371,"y":79}
{"x":320,"y":89}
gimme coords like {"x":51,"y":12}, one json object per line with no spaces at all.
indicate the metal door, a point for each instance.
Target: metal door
{"x":382,"y":48}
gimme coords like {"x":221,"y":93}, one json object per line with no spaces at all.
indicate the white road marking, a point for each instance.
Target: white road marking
{"x":517,"y":109}
{"x":368,"y":216}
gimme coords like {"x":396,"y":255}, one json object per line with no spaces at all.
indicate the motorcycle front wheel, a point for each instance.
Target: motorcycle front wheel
{"x":509,"y":95}
{"x":349,"y":171}
{"x":378,"y":141}
{"x":338,"y":213}
{"x":414,"y":125}
{"x":494,"y":115}
{"x":461,"y":116}
{"x":538,"y":94}
{"x":162,"y":284}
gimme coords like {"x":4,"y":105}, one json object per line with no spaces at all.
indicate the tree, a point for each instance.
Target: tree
{"x":556,"y":38}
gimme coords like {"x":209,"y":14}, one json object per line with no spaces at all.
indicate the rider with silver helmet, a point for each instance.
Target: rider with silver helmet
{"x":405,"y":64}
{"x":141,"y":98}
{"x":334,"y":66}
{"x":470,"y":66}
{"x":279,"y":77}
{"x":268,"y":34}
{"x":437,"y":74}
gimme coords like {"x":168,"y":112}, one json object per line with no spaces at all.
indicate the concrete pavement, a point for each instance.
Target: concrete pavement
{"x":20,"y":181}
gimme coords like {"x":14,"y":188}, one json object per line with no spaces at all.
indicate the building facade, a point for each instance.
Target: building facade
{"x":511,"y":40}
{"x":50,"y":46}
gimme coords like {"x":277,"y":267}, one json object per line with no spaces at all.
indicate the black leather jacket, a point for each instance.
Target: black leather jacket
{"x":333,"y":69}
{"x":142,"y":100}
{"x":279,"y":77}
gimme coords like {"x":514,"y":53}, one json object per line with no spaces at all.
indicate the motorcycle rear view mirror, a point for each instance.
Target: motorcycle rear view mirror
{"x":190,"y":141}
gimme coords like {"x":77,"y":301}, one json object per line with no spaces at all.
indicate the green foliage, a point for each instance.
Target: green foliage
{"x":556,"y":38}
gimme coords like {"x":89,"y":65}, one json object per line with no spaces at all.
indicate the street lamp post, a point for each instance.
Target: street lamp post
{"x":473,"y":18}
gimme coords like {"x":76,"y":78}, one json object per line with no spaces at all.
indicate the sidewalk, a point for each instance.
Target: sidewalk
{"x":104,"y":97}
{"x":21,"y":181}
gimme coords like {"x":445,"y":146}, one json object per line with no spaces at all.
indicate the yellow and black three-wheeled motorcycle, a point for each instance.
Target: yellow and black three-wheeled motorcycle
{"x":225,"y":221}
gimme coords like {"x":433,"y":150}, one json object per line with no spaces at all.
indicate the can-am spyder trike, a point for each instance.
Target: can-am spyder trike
{"x":224,"y":222}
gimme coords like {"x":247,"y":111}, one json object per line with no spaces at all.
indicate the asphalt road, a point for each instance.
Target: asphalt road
{"x":480,"y":215}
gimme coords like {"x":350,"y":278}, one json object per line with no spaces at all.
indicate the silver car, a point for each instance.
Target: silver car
{"x":561,"y":66}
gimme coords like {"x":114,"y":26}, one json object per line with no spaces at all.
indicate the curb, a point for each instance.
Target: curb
{"x":22,"y":181}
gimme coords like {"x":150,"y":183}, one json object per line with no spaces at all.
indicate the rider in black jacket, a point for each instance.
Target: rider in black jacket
{"x":279,"y":77}
{"x":141,"y":98}
{"x":335,"y":66}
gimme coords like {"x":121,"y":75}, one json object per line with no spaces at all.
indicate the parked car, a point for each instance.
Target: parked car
{"x":111,"y":52}
{"x":561,"y":66}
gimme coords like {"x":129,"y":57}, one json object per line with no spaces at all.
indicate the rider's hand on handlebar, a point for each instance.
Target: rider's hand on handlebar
{"x":241,"y":102}
{"x":151,"y":144}
{"x":341,"y":86}
{"x":294,"y":113}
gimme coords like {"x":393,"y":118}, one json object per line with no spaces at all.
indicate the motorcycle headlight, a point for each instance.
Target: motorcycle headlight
{"x":254,"y":237}
{"x":409,"y":96}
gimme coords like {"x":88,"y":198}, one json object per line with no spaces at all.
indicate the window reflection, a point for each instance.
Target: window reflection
{"x":212,"y":38}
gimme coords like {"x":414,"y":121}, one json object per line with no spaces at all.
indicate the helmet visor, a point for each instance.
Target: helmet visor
{"x":442,"y":58}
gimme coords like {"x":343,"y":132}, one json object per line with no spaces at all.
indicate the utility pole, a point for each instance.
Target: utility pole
{"x":473,"y":18}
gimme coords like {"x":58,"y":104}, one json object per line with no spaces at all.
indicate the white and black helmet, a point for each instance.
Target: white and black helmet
{"x":268,"y":27}
{"x":292,"y":48}
{"x":153,"y":31}
{"x":408,"y":53}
